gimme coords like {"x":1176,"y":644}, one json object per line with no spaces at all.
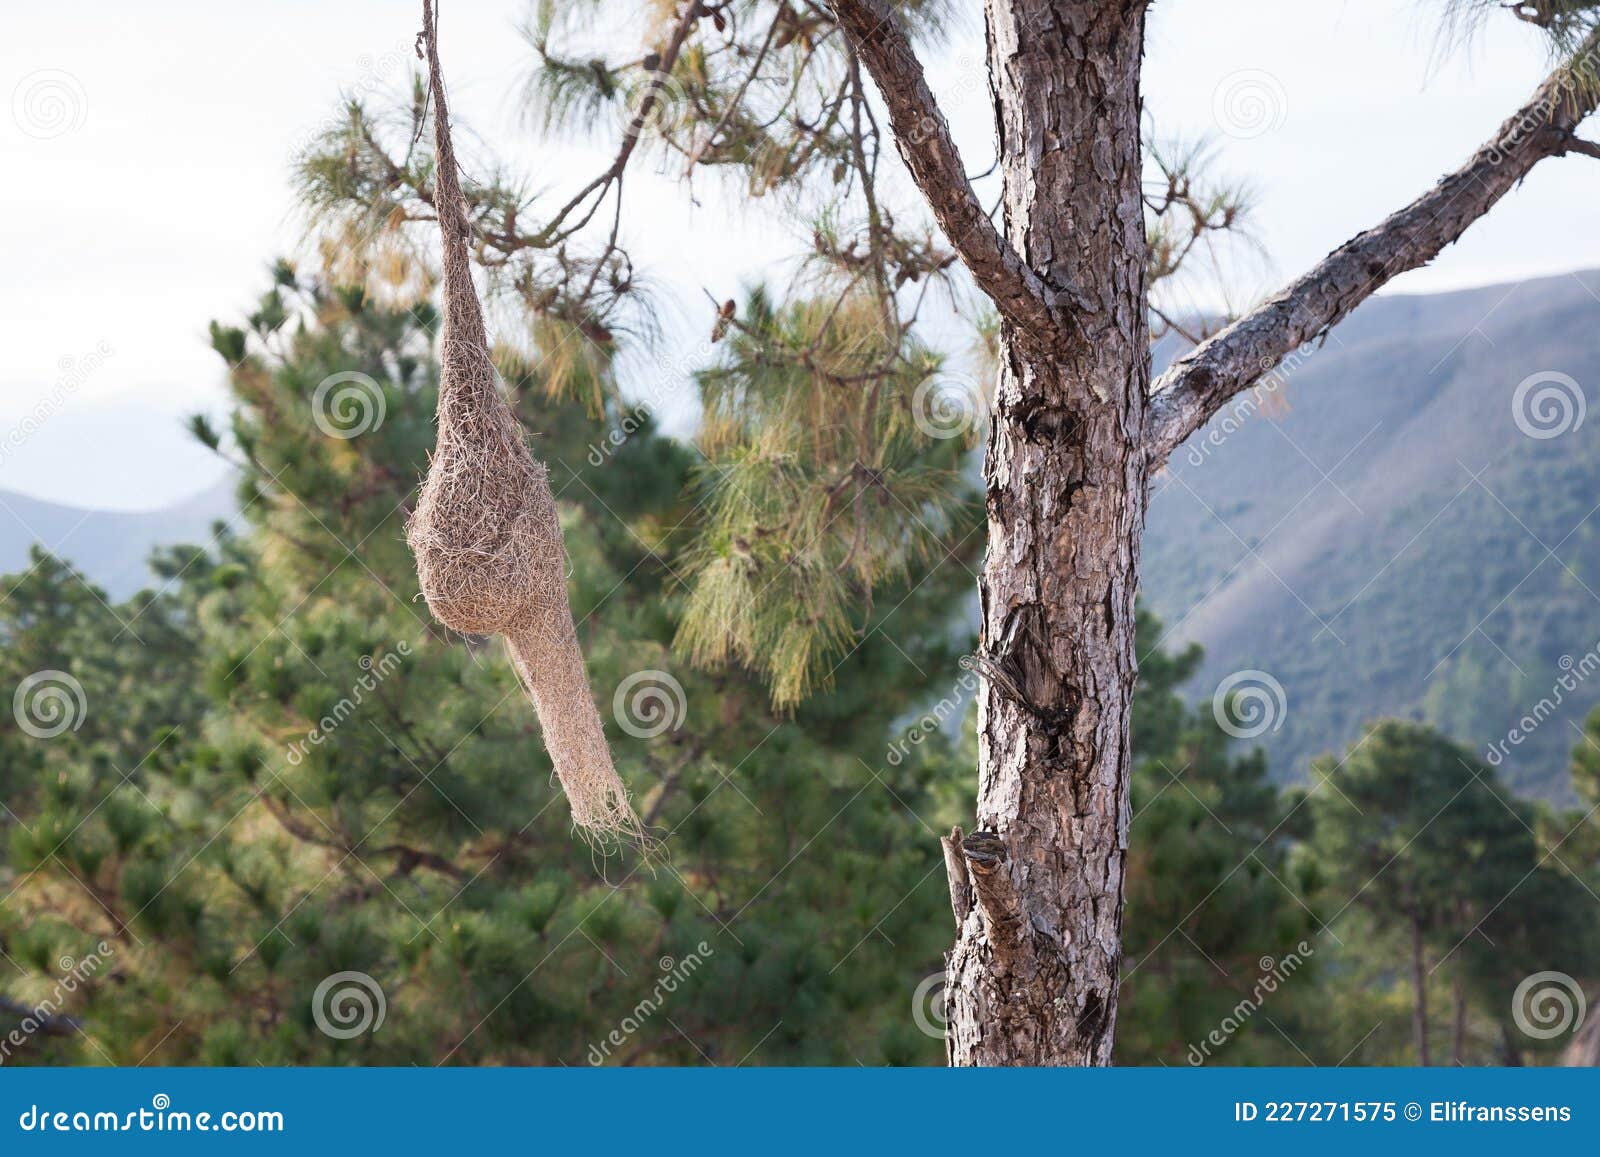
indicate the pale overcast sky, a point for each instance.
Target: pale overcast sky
{"x":147,"y":146}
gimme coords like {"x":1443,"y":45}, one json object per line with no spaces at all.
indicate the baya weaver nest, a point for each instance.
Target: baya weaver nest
{"x":485,"y":531}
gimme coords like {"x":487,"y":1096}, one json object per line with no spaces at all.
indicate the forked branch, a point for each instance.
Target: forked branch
{"x":923,"y":138}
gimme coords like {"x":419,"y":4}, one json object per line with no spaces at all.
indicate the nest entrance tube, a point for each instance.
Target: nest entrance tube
{"x":485,"y":531}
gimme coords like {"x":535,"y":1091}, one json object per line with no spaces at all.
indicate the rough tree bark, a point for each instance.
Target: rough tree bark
{"x":1075,"y":431}
{"x":1034,"y":973}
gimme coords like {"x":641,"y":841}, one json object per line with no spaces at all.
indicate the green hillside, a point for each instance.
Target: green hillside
{"x":1385,"y":539}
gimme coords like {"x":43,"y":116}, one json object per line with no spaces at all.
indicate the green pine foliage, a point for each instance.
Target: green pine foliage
{"x":819,"y":489}
{"x":286,"y":771}
{"x":281,"y":772}
{"x":277,"y":774}
{"x":1271,"y":926}
{"x":1438,"y":884}
{"x":1212,"y":902}
{"x":834,"y":435}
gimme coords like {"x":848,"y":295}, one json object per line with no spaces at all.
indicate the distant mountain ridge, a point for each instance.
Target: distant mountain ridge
{"x":111,"y":548}
{"x":1416,"y":534}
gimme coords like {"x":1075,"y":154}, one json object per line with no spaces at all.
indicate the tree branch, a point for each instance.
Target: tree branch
{"x":1586,"y":148}
{"x":666,"y":60}
{"x":955,"y":866}
{"x":1200,"y":382}
{"x":1000,"y":906}
{"x":49,"y":1025}
{"x":923,"y":138}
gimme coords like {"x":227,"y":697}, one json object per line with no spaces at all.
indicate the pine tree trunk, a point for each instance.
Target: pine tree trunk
{"x":1033,"y":977}
{"x":1458,"y":1019}
{"x":1419,"y":990}
{"x":1511,"y":1053}
{"x":1037,"y":891}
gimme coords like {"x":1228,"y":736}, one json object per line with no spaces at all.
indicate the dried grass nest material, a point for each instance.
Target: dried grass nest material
{"x":485,"y":531}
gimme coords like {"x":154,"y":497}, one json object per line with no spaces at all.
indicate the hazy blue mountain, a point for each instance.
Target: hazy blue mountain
{"x":111,"y":548}
{"x":1388,"y":540}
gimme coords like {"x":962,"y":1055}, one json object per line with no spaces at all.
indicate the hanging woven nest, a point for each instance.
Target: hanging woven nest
{"x":485,"y":531}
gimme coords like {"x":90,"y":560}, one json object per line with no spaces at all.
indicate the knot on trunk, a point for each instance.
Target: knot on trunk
{"x":976,"y":865}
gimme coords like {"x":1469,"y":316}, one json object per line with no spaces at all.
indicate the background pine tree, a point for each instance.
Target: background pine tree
{"x":418,"y":838}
